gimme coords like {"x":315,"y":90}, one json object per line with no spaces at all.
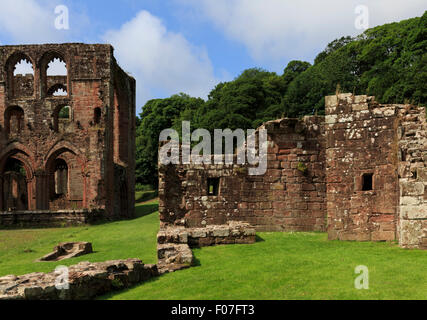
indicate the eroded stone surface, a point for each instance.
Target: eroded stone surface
{"x":86,"y":281}
{"x":175,"y":243}
{"x":360,"y":172}
{"x":74,"y":163}
{"x":235,"y":232}
{"x":68,"y":250}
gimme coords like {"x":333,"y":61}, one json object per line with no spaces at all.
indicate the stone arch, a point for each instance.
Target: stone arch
{"x":60,"y":122}
{"x":23,"y":184}
{"x":14,"y":120}
{"x":56,"y":88}
{"x":20,"y":85}
{"x":15,"y":148}
{"x":64,"y":165}
{"x":59,"y":147}
{"x":49,"y":81}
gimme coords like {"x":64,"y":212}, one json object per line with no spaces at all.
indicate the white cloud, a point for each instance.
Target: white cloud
{"x":28,"y":21}
{"x":33,"y":22}
{"x":274,"y":30}
{"x":159,"y":58}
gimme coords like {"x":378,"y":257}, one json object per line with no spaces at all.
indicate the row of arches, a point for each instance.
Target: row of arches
{"x":14,"y":119}
{"x":51,"y":70}
{"x":58,"y":187}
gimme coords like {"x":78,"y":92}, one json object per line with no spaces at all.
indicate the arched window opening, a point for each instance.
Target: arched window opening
{"x":62,"y":119}
{"x":15,"y":192}
{"x":24,"y":67}
{"x":54,"y":75}
{"x":14,"y":120}
{"x":61,"y":178}
{"x":57,"y":90}
{"x":97,"y":116}
{"x":65,"y":113}
{"x":22,"y":76}
{"x":56,"y":67}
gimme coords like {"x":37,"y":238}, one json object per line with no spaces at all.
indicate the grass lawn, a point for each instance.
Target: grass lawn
{"x":278,"y":266}
{"x":117,"y":240}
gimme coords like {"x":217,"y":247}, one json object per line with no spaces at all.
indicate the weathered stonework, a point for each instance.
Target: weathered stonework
{"x":359,"y":173}
{"x":86,"y":281}
{"x":78,"y":162}
{"x":289,"y":197}
{"x":361,"y":140}
{"x":412,"y":135}
{"x":232,"y":233}
{"x":42,"y":219}
{"x":175,"y":242}
{"x":68,"y":250}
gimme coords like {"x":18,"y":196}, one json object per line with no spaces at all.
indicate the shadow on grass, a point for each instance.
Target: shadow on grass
{"x":196,"y":263}
{"x":145,"y":210}
{"x":141,"y":210}
{"x":259,"y":239}
{"x":142,"y":196}
{"x":115,"y":292}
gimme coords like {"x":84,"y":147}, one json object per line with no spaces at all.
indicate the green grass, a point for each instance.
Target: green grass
{"x":116,"y":240}
{"x":142,"y":196}
{"x":278,"y":266}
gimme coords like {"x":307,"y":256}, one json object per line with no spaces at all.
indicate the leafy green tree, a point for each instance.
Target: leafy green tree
{"x":389,"y":62}
{"x":157,"y":115}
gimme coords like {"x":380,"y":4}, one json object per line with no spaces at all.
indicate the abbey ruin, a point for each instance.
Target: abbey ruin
{"x":67,"y":142}
{"x":67,"y":155}
{"x":358,"y":173}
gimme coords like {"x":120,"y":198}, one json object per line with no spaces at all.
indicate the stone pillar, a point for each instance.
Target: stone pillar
{"x":30,"y":194}
{"x":42,"y":191}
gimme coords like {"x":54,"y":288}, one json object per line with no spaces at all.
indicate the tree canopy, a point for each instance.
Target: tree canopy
{"x":388,"y":62}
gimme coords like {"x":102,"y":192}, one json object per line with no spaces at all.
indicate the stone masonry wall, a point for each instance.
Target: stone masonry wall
{"x":359,"y":173}
{"x":289,"y":197}
{"x":32,"y":133}
{"x":412,"y":134}
{"x":361,"y":142}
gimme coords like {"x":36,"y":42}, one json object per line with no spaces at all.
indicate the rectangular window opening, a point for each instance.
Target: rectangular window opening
{"x":368,"y":182}
{"x":213,"y":186}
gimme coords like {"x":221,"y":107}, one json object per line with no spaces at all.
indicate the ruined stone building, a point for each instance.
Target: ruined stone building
{"x":67,"y":134}
{"x":359,"y":173}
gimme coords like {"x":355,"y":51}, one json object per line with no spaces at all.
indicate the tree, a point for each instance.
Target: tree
{"x":157,"y":115}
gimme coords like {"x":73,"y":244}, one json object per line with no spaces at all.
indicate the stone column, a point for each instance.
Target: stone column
{"x":42,"y":190}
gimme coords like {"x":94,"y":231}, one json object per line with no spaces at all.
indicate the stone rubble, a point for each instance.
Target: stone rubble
{"x":86,"y":281}
{"x":68,"y":250}
{"x":89,"y":280}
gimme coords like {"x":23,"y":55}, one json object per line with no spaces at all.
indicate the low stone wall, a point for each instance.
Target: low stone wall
{"x":235,"y":232}
{"x":173,"y":257}
{"x":49,"y":218}
{"x":86,"y":281}
{"x":174,"y":243}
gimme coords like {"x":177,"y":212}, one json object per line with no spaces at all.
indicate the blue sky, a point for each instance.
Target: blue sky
{"x":173,"y":46}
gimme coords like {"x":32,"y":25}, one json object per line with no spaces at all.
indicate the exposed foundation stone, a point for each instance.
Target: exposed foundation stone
{"x":68,"y":250}
{"x":86,"y":281}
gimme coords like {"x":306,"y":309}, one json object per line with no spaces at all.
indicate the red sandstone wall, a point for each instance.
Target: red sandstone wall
{"x":361,"y":139}
{"x":289,"y":197}
{"x":92,"y":70}
{"x":412,"y":156}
